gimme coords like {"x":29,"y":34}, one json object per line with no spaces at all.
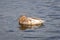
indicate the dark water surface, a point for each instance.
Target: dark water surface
{"x":48,"y":10}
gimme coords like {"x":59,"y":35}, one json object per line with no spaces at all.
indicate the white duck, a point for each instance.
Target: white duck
{"x":30,"y":22}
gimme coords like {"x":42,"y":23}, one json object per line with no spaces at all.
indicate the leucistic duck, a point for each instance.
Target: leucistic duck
{"x":28,"y":22}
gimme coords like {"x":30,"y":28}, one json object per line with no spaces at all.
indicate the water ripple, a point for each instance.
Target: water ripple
{"x":53,"y":38}
{"x":57,"y":31}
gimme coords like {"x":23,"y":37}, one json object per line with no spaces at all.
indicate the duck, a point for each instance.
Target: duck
{"x":30,"y":22}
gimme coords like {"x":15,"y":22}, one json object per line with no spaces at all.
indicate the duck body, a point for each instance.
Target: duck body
{"x":30,"y":22}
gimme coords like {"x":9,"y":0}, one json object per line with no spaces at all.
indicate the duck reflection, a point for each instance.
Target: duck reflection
{"x":24,"y":27}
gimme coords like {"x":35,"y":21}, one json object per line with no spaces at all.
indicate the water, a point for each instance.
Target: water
{"x":48,"y":10}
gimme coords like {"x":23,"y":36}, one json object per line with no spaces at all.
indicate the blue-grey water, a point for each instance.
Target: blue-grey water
{"x":48,"y":10}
